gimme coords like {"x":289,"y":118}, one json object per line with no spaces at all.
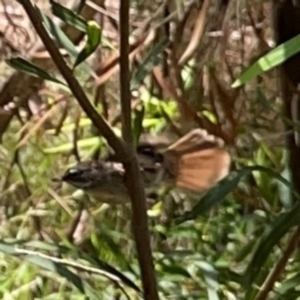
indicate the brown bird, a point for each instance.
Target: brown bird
{"x":196,"y":162}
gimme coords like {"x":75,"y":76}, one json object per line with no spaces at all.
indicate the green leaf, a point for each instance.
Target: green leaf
{"x":172,"y":270}
{"x":8,"y":246}
{"x":282,"y":224}
{"x":108,"y":241}
{"x":153,"y":59}
{"x":68,"y":127}
{"x":225,"y":275}
{"x":287,"y":287}
{"x":48,"y":264}
{"x":84,"y":143}
{"x":94,"y":34}
{"x":111,"y":270}
{"x":269,"y":61}
{"x":63,"y":41}
{"x":61,"y":270}
{"x":211,"y":279}
{"x":57,"y":268}
{"x":215,"y":195}
{"x":68,"y":16}
{"x":25,"y":66}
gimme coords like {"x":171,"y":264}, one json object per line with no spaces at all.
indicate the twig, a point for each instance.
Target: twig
{"x":279,"y":267}
{"x":133,"y":178}
{"x":124,"y":72}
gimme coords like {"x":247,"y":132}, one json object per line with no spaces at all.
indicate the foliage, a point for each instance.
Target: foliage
{"x":219,"y":246}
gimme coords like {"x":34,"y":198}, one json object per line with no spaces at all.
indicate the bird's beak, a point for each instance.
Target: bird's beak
{"x":57,"y":179}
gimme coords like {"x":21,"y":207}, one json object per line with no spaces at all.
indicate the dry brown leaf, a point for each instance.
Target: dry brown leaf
{"x":197,"y":33}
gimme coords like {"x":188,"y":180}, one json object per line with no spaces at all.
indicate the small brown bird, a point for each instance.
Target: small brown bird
{"x":194,"y":163}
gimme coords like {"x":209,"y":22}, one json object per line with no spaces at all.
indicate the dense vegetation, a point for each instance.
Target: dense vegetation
{"x":187,"y":61}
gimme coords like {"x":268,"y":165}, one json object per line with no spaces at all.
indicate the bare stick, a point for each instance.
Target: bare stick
{"x":133,"y":178}
{"x":279,"y":267}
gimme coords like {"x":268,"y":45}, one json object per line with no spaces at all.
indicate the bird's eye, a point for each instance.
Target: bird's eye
{"x":73,"y":171}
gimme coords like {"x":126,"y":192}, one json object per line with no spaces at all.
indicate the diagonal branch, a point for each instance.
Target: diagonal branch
{"x":98,"y":121}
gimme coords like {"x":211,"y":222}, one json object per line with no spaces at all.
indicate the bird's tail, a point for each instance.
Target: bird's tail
{"x":197,"y":161}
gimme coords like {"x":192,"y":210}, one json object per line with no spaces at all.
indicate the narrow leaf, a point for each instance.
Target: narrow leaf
{"x":110,"y":269}
{"x":283,"y":223}
{"x":274,"y":58}
{"x":57,"y":268}
{"x":215,"y":195}
{"x":7,"y":248}
{"x":211,"y":279}
{"x":25,"y":66}
{"x":153,"y":59}
{"x":61,"y":270}
{"x":63,"y":41}
{"x":68,"y":16}
{"x":84,"y":143}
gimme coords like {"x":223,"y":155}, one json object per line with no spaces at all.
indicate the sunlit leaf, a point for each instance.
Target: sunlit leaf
{"x":93,"y":32}
{"x":84,"y":143}
{"x":63,"y":41}
{"x":7,"y":248}
{"x":211,"y":279}
{"x":269,"y":61}
{"x":67,"y":127}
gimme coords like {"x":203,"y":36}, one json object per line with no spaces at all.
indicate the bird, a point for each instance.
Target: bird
{"x":194,"y":163}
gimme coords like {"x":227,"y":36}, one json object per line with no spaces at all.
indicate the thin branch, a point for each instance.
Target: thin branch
{"x":133,"y":178}
{"x":124,"y":72}
{"x":279,"y":267}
